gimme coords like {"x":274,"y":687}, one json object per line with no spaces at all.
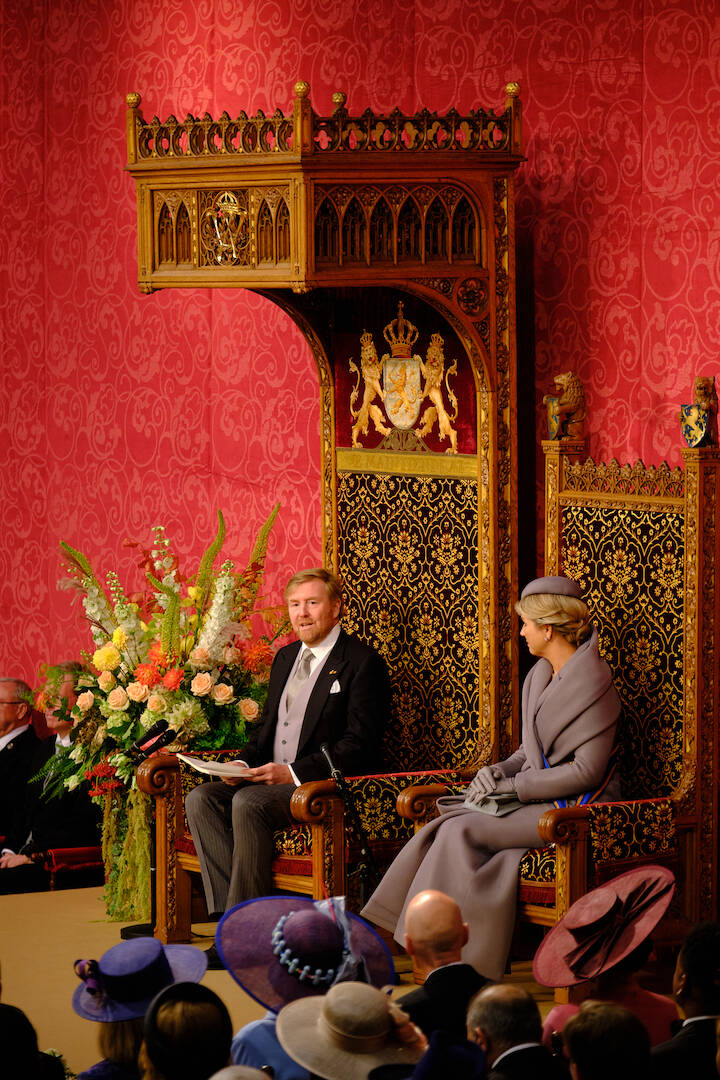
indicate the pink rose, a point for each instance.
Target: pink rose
{"x":156,"y":703}
{"x":106,"y":681}
{"x":202,"y":684}
{"x":249,"y":708}
{"x":117,"y":699}
{"x":200,"y":657}
{"x":85,"y":701}
{"x":222,"y":694}
{"x":137,"y":691}
{"x":232,"y":655}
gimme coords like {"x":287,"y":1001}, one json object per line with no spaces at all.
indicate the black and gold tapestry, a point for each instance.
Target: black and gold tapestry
{"x":408,"y":554}
{"x":630,"y":565}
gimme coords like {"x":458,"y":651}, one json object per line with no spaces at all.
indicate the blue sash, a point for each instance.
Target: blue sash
{"x":589,"y":796}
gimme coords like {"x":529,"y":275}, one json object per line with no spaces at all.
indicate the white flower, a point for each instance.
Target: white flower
{"x":72,"y":782}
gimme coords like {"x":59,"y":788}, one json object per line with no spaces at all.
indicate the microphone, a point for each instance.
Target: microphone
{"x":156,"y":744}
{"x":334,"y":771}
{"x":151,"y":733}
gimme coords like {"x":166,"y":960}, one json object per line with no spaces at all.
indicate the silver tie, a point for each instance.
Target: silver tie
{"x":301,"y":673}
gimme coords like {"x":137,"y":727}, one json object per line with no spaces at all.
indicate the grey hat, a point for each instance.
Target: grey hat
{"x":347,"y":1032}
{"x":555,"y":586}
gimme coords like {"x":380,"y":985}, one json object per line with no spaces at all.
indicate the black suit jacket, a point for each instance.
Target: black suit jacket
{"x":351,"y":721}
{"x":441,"y":1003}
{"x":67,"y":820}
{"x":533,"y":1061}
{"x":19,"y":760}
{"x":690,"y":1053}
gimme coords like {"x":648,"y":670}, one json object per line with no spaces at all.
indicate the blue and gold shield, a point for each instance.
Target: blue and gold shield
{"x":693,"y":424}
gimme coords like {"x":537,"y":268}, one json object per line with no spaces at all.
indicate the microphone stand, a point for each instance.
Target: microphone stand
{"x":367,"y":869}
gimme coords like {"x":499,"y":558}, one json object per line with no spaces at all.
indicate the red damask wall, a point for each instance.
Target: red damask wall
{"x":119,"y":411}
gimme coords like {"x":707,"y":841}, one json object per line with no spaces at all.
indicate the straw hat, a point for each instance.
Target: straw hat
{"x":346,"y":1032}
{"x":123,"y":982}
{"x":604,"y":926}
{"x":281,"y":948}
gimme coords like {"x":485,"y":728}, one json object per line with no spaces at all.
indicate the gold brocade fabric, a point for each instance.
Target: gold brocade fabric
{"x":407,"y":552}
{"x":630,"y":566}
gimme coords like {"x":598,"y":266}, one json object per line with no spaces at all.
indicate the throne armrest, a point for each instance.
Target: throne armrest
{"x":315,"y":802}
{"x":157,"y":775}
{"x":564,"y":826}
{"x":417,"y":803}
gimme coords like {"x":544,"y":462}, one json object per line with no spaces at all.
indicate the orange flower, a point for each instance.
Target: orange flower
{"x":156,"y":655}
{"x":258,"y":657}
{"x":147,"y":674}
{"x":173,"y":678}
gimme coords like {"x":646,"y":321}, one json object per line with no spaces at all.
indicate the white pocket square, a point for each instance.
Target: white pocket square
{"x":335,"y":688}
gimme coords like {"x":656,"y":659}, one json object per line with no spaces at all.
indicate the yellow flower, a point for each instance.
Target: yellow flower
{"x":120,"y":638}
{"x":107,"y":658}
{"x":194,"y":593}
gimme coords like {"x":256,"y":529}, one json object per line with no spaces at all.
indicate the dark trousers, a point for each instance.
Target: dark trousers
{"x":232,"y":828}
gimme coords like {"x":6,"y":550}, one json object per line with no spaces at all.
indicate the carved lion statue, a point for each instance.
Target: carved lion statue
{"x":566,"y":408}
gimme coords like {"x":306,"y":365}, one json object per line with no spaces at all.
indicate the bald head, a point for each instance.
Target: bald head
{"x":502,"y":1016}
{"x":434,"y":929}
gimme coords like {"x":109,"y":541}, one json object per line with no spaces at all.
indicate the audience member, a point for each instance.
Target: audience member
{"x":603,"y":941}
{"x":605,"y":1040}
{"x":280,"y":949}
{"x":187,"y":1034}
{"x":20,"y":1056}
{"x":66,"y":820}
{"x":116,"y":992}
{"x":696,"y":988}
{"x":434,"y":936}
{"x":505,"y":1021}
{"x":19,"y":751}
{"x":348,"y":1032}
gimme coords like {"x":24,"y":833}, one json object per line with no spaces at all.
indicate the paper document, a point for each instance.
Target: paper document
{"x":238,"y":769}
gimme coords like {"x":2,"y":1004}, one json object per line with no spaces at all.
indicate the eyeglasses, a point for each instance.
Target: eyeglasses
{"x":14,"y":702}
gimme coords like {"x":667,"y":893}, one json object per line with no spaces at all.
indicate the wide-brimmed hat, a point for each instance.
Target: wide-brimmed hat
{"x":123,"y":982}
{"x":346,"y":1032}
{"x":604,"y":926}
{"x":281,"y":948}
{"x":554,"y":586}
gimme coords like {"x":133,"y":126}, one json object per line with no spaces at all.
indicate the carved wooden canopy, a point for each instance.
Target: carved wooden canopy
{"x":397,"y":212}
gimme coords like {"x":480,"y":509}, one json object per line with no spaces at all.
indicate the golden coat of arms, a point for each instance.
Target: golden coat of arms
{"x":396,"y":386}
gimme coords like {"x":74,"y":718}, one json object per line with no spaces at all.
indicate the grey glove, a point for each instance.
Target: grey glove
{"x":484,"y":781}
{"x":506,"y":786}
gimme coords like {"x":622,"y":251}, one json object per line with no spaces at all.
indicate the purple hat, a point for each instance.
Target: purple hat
{"x":604,"y":926}
{"x":281,"y":948}
{"x":555,"y":586}
{"x":123,"y":982}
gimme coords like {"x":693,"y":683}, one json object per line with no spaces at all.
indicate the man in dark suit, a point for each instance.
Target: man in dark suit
{"x":505,"y":1022}
{"x":19,"y":748}
{"x":66,"y":820}
{"x":434,"y":936}
{"x":696,"y":989}
{"x":328,"y":687}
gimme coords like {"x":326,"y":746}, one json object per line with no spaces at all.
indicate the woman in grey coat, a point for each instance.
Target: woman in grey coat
{"x":473,"y":849}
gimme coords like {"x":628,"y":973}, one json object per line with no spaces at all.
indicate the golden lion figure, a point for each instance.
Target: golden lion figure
{"x":706,"y":400}
{"x":371,"y":373}
{"x":567,"y":409}
{"x":432,"y":371}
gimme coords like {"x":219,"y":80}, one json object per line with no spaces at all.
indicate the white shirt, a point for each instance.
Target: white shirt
{"x":520,"y":1046}
{"x":320,"y":652}
{"x":5,"y":739}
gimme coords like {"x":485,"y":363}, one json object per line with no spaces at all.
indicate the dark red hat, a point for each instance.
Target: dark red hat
{"x":604,"y":926}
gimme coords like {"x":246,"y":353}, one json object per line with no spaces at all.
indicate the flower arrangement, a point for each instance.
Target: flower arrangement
{"x":184,"y":651}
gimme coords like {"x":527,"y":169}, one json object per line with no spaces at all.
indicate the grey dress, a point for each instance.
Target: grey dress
{"x":474,"y":857}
